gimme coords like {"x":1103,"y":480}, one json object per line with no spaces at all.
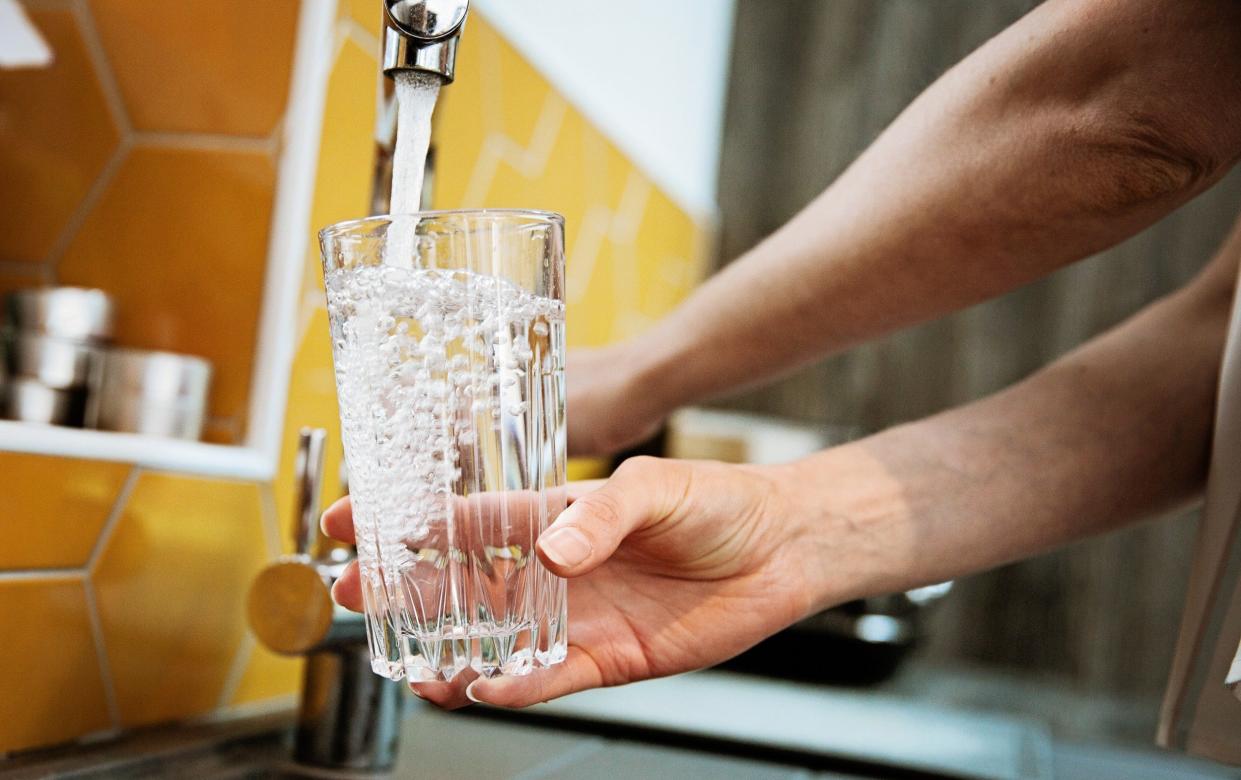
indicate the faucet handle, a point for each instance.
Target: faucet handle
{"x":290,"y":605}
{"x":308,"y":482}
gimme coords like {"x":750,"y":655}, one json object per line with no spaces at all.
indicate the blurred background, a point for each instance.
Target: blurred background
{"x":182,"y":168}
{"x":812,"y":84}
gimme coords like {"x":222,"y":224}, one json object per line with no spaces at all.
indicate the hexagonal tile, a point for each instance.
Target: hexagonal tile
{"x":54,"y":526}
{"x":50,"y":684}
{"x":171,"y":588}
{"x":208,"y":66}
{"x":55,"y":136}
{"x":180,"y":240}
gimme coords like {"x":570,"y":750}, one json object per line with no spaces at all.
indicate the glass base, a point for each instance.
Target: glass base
{"x":441,"y":658}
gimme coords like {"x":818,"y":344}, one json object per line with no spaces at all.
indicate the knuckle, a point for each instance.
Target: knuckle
{"x":639,"y":465}
{"x":662,"y":484}
{"x":604,"y":510}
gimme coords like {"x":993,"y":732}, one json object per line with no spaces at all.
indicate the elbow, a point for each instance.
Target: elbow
{"x":1142,"y":164}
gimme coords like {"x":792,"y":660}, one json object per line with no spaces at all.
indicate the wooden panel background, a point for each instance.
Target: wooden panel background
{"x":813,"y":82}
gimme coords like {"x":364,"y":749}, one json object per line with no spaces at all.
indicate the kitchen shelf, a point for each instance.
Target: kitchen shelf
{"x":149,"y":452}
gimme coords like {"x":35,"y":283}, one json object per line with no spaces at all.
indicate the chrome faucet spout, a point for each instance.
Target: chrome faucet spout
{"x":422,"y":35}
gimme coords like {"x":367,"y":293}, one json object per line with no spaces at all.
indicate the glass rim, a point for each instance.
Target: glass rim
{"x":352,"y":225}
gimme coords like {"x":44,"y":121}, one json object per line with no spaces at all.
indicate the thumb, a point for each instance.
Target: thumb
{"x":590,"y":529}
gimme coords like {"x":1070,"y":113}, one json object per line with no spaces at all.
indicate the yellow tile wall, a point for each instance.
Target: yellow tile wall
{"x":141,"y":162}
{"x":505,"y":138}
{"x":156,"y":183}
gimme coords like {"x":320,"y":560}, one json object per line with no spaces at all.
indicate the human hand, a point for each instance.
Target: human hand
{"x":612,"y":410}
{"x":673,"y":566}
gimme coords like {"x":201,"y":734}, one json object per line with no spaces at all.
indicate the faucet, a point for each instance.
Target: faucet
{"x":422,"y":35}
{"x":349,"y":716}
{"x":419,"y":36}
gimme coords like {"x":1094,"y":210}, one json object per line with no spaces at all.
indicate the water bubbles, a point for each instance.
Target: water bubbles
{"x":427,"y":364}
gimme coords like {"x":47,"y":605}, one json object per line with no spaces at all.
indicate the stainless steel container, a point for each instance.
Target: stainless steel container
{"x":76,"y":313}
{"x":29,"y":400}
{"x":60,"y":364}
{"x":157,"y":393}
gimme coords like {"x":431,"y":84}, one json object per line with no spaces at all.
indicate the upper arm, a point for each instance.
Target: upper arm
{"x":1155,"y":84}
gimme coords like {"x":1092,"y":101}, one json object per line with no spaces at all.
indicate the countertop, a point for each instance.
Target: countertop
{"x":708,"y":724}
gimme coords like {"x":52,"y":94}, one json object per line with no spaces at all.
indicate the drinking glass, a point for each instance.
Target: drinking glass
{"x":448,"y":342}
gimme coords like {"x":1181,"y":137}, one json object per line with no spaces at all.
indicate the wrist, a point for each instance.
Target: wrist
{"x":659,"y":374}
{"x":641,"y":392}
{"x":850,"y":521}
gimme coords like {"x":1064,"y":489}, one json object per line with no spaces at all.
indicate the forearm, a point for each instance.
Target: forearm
{"x":1113,"y":432}
{"x":1075,"y":128}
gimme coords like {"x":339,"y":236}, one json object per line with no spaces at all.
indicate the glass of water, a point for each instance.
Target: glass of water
{"x":448,"y":341}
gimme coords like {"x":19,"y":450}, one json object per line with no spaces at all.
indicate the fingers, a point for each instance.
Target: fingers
{"x":449,"y":695}
{"x":348,"y":589}
{"x":337,"y":521}
{"x":577,"y":672}
{"x":588,"y":532}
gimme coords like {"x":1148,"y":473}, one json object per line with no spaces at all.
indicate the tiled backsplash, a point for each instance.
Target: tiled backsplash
{"x":145,"y":165}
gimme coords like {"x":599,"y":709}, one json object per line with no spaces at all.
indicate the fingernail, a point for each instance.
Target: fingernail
{"x":417,"y":693}
{"x":469,"y":692}
{"x":566,"y":546}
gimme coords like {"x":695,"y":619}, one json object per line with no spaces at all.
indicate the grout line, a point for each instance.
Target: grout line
{"x":41,"y":574}
{"x":245,"y":651}
{"x":271,"y":521}
{"x":275,"y":139}
{"x":93,"y":195}
{"x":207,"y":142}
{"x":17,"y":268}
{"x":340,"y":34}
{"x":312,"y":300}
{"x":103,"y":68}
{"x":101,"y":653}
{"x":114,"y":516}
{"x":361,"y":36}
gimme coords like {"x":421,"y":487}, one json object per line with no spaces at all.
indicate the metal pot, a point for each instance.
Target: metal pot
{"x":29,"y":400}
{"x":157,"y":393}
{"x":76,"y":313}
{"x":57,"y":363}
